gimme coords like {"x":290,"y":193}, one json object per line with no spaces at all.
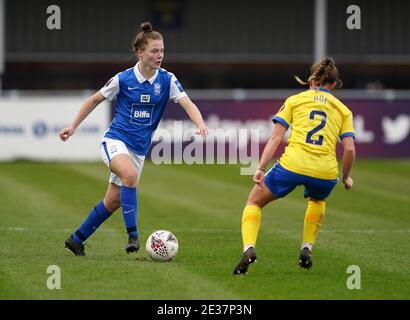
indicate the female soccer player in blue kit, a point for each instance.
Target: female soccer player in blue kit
{"x":142,"y":93}
{"x":318,"y":120}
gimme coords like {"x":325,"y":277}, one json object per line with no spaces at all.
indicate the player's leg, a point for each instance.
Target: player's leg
{"x":112,"y":199}
{"x":123,"y":167}
{"x":126,"y":169}
{"x":252,"y":214}
{"x":278,"y":183}
{"x":313,"y":220}
{"x":250,"y":225}
{"x":316,"y":190}
{"x":315,"y":213}
{"x":101,"y":212}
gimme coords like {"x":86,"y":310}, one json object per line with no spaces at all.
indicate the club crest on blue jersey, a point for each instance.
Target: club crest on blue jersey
{"x":145,"y":98}
{"x":142,"y":114}
{"x":157,"y":88}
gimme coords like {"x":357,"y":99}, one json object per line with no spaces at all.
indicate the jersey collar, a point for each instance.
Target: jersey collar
{"x":321,"y":89}
{"x":141,"y":78}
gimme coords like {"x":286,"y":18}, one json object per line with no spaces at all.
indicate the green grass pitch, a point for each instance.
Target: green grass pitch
{"x":41,"y":203}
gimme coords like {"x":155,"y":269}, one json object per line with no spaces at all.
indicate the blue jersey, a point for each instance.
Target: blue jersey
{"x":139,"y":106}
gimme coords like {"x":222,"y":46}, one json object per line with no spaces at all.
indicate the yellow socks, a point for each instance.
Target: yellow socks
{"x":251,"y":221}
{"x":313,"y":220}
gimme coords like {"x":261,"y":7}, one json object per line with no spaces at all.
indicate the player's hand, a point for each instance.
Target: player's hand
{"x":203,"y":131}
{"x":348,"y":182}
{"x":66,"y":133}
{"x":258,"y":177}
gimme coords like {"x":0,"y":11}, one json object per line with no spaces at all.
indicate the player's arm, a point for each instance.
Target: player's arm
{"x":194,"y":114}
{"x":269,"y":151}
{"x":88,"y":106}
{"x":349,"y":155}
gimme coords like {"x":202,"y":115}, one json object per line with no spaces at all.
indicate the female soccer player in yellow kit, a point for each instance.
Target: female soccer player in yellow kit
{"x":318,"y":120}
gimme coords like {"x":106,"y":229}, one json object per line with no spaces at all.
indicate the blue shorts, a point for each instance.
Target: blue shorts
{"x":281,"y":181}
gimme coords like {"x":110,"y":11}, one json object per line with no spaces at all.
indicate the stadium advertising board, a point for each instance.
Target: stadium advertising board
{"x":382,"y":127}
{"x":29,"y":129}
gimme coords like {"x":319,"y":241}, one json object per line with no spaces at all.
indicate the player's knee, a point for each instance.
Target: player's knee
{"x":255,"y":202}
{"x":130,"y":179}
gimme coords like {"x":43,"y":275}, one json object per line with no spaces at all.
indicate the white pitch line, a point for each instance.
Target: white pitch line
{"x":330,"y":231}
{"x":24,"y":229}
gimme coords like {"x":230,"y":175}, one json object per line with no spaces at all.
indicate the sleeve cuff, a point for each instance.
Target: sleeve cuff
{"x":181,"y":95}
{"x":281,"y":121}
{"x":347,"y":134}
{"x":104,"y":93}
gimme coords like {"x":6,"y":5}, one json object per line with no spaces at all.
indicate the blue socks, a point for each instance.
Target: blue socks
{"x":99,"y":214}
{"x":95,"y":218}
{"x":129,"y":209}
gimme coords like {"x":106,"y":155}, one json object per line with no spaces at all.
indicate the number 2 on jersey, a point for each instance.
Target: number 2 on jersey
{"x":309,"y":135}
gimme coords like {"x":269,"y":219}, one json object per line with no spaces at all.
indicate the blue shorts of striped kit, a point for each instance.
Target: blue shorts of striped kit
{"x":281,"y":182}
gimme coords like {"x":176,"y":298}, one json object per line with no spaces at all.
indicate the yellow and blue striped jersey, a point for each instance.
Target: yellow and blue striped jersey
{"x":317,"y":120}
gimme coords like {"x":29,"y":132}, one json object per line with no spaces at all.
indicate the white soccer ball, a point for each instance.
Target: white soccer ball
{"x":162,"y":245}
